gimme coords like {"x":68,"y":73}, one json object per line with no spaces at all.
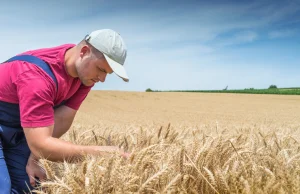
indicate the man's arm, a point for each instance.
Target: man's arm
{"x":42,"y":144}
{"x":55,"y":149}
{"x":63,"y":117}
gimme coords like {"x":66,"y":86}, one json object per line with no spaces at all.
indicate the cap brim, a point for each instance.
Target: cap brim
{"x":117,"y":68}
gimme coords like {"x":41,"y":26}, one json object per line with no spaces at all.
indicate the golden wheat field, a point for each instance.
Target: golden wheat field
{"x":183,"y":143}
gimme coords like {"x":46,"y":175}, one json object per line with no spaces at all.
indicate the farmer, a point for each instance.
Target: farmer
{"x":40,"y":93}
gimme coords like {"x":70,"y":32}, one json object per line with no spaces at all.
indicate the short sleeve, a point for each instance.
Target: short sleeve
{"x":36,"y":95}
{"x":76,"y":100}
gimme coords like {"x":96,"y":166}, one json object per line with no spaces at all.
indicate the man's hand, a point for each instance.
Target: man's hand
{"x":104,"y":150}
{"x":34,"y":170}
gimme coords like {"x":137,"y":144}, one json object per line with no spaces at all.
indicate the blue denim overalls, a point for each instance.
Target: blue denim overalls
{"x":14,"y":151}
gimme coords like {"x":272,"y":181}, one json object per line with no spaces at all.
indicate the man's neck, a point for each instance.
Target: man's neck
{"x":70,"y":62}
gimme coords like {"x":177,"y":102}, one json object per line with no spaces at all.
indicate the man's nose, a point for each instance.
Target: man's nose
{"x":102,"y":77}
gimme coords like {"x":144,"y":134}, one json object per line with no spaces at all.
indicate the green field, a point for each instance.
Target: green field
{"x":282,"y":91}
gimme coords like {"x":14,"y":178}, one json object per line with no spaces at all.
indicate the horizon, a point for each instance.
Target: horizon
{"x":191,"y":45}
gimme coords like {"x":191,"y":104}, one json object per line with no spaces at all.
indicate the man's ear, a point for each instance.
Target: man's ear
{"x":84,"y":51}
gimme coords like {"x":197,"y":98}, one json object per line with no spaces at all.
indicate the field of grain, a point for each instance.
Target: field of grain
{"x":184,"y":143}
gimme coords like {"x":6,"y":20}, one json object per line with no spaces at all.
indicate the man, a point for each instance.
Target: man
{"x":40,"y":93}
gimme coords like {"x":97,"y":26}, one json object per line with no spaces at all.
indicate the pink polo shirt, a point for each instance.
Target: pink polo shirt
{"x":34,"y":90}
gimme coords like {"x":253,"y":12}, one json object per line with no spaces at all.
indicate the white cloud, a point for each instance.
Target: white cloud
{"x":238,"y":38}
{"x":282,"y":33}
{"x":178,"y":46}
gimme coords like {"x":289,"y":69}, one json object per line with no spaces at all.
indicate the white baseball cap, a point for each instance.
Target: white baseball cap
{"x":111,"y":44}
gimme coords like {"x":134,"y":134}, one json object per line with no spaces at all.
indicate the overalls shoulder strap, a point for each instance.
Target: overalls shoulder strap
{"x":10,"y":113}
{"x":37,"y":61}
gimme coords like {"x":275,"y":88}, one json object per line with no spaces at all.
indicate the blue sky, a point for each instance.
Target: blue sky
{"x":172,"y":45}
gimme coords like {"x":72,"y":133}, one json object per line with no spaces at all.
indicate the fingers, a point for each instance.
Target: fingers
{"x":125,"y":154}
{"x":31,"y":180}
{"x":30,"y":176}
{"x":35,"y":173}
{"x":42,"y":176}
{"x":113,"y":149}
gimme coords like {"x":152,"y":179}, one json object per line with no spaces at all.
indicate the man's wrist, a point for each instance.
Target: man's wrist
{"x":33,"y":157}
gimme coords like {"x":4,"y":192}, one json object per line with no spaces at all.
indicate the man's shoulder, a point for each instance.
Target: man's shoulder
{"x":52,"y":55}
{"x":49,"y":50}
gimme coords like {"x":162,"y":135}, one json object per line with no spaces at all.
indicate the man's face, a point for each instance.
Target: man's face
{"x":91,"y":68}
